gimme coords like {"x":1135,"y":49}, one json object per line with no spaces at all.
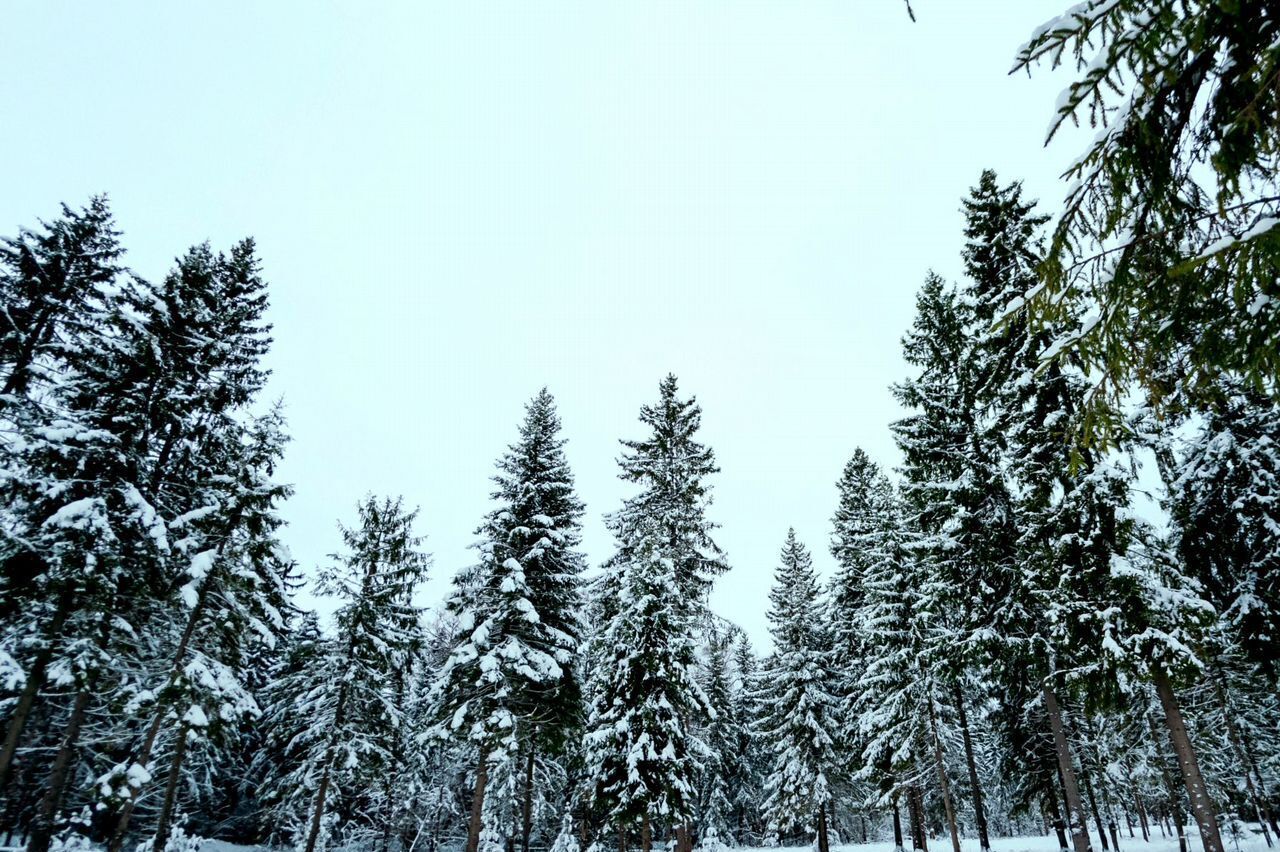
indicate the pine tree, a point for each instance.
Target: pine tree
{"x":644,"y":696}
{"x":725,"y":772}
{"x":801,"y":726}
{"x":643,"y":693}
{"x":237,"y":594}
{"x":1167,"y":235}
{"x":343,"y":708}
{"x":1226,"y":510}
{"x":51,"y":280}
{"x":511,"y":685}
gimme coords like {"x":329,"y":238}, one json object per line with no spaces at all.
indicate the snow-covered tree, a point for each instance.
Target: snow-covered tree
{"x":800,"y":726}
{"x":342,"y":713}
{"x":510,"y":685}
{"x":644,"y":694}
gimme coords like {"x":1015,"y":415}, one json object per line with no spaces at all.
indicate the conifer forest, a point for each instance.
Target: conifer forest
{"x":1053,"y":624}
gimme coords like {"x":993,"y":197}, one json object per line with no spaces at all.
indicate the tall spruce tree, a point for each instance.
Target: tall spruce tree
{"x":345,"y":708}
{"x":645,"y":697}
{"x":511,"y":683}
{"x":800,"y":726}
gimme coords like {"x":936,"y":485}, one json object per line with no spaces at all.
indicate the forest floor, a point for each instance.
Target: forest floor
{"x":1245,"y":841}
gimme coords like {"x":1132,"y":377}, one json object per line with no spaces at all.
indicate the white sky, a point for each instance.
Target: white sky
{"x":457,"y":203}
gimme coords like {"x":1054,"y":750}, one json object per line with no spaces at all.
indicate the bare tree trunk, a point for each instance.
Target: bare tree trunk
{"x":43,"y":825}
{"x":862,"y":821}
{"x":526,"y":816}
{"x":1093,"y":807}
{"x":979,"y":812}
{"x":646,"y":834}
{"x":684,"y":838}
{"x":1059,"y":825}
{"x":915,"y":804}
{"x":477,"y":804}
{"x":897,"y":827}
{"x":165,"y":819}
{"x":1142,"y":816}
{"x":822,"y":829}
{"x":943,"y":782}
{"x":1074,"y":810}
{"x":1201,"y":805}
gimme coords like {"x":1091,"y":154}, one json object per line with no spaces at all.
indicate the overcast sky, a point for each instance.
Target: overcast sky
{"x":457,"y":203}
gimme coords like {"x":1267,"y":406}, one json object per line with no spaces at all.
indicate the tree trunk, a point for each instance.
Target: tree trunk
{"x":165,"y":819}
{"x":1201,"y":805}
{"x":897,"y":827}
{"x":477,"y":804}
{"x":317,"y":816}
{"x":979,"y":812}
{"x":646,"y":834}
{"x":822,"y":829}
{"x":915,"y":806}
{"x":43,"y":825}
{"x":684,"y":837}
{"x":1097,"y":817}
{"x":1074,"y":810}
{"x":943,"y":782}
{"x":30,"y":690}
{"x":1142,"y":816}
{"x":1059,"y":825}
{"x":862,"y":821}
{"x":526,"y":816}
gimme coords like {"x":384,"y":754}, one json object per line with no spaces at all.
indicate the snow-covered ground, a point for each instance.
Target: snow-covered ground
{"x":1250,"y":842}
{"x":1244,"y":843}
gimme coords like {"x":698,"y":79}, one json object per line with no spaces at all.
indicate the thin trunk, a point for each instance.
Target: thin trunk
{"x":979,"y":811}
{"x":30,"y":690}
{"x":822,"y":828}
{"x":646,"y":834}
{"x":1142,"y":816}
{"x":1059,"y":825}
{"x":1097,"y":817}
{"x":622,"y":839}
{"x":943,"y":782}
{"x":43,"y":825}
{"x":897,"y":827}
{"x":526,"y":821}
{"x":862,"y":821}
{"x":1201,"y":805}
{"x":477,"y":804}
{"x":1074,"y":811}
{"x":915,"y":801}
{"x":317,"y":815}
{"x":165,"y":819}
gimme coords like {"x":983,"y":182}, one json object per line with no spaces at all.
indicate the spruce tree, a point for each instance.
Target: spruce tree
{"x":344,"y":707}
{"x":645,"y":698}
{"x":511,"y":684}
{"x":800,"y":726}
{"x":1225,"y":503}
